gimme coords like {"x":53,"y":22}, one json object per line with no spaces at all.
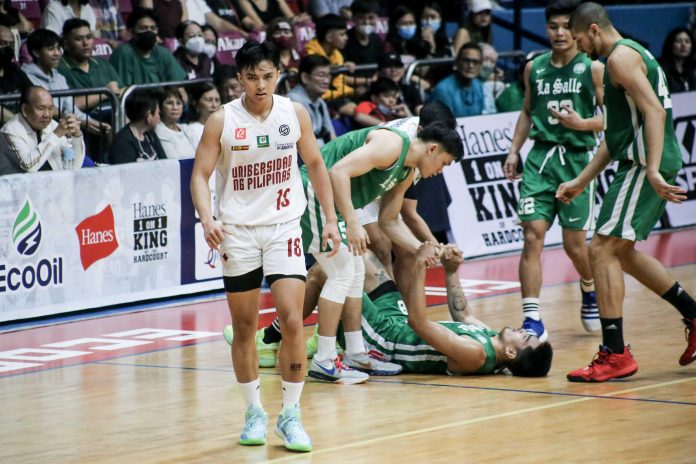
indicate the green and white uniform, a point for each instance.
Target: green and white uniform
{"x":559,"y":154}
{"x":631,"y":207}
{"x":385,"y":328}
{"x":364,"y":189}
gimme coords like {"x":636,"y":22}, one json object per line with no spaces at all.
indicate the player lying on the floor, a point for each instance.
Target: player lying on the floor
{"x":408,"y":338}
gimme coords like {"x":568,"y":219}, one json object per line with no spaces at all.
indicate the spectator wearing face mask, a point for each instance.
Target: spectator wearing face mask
{"x":432,"y":30}
{"x":190,"y":53}
{"x":142,"y":61}
{"x":364,"y":46}
{"x":281,"y":33}
{"x":402,"y":28}
{"x":491,"y":77}
{"x":210,"y":36}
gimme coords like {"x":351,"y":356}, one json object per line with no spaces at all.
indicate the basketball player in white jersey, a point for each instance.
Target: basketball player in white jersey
{"x":252,"y":144}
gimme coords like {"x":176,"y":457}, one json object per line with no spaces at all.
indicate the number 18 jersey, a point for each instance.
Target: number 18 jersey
{"x":257,"y":178}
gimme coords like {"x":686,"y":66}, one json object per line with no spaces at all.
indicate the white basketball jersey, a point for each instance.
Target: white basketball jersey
{"x":408,"y":125}
{"x":257,"y":178}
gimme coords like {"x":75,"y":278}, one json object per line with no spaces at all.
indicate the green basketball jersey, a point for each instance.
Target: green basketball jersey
{"x":625,"y":132}
{"x":373,"y":184}
{"x":552,"y":87}
{"x":385,"y":327}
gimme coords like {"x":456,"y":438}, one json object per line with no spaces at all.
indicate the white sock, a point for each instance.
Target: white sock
{"x":291,"y":394}
{"x":587,"y":285}
{"x":354,"y":342}
{"x":326,"y":348}
{"x":530,"y":308}
{"x":252,"y":392}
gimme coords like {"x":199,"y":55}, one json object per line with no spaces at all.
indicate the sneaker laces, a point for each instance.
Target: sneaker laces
{"x":374,"y":354}
{"x":252,"y":422}
{"x":338,"y":362}
{"x":292,"y":427}
{"x":601,"y":356}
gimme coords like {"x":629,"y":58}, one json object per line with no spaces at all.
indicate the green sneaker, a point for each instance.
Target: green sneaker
{"x":255,"y":427}
{"x":267,"y":351}
{"x":289,"y":428}
{"x":312,"y":344}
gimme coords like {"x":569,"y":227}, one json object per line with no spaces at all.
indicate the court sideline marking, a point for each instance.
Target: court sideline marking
{"x":473,"y":421}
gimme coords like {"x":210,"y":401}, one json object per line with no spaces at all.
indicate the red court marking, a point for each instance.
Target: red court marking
{"x":673,"y":249}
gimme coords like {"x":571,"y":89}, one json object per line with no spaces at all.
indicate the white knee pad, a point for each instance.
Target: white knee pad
{"x":340,"y":273}
{"x":356,"y":289}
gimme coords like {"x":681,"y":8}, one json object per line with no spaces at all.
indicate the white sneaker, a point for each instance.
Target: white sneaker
{"x":371,"y":362}
{"x":335,"y":371}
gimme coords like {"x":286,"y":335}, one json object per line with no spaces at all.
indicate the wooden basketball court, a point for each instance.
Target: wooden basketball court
{"x":157,"y":386}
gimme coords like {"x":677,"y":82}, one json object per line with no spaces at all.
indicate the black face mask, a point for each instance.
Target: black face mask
{"x":6,"y":55}
{"x":145,"y":40}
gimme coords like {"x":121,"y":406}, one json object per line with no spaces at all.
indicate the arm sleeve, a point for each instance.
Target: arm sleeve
{"x":31,"y":157}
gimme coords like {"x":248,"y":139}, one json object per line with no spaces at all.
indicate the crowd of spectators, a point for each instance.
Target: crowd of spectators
{"x":344,"y":60}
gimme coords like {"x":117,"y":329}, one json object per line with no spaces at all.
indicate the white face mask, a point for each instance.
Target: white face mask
{"x":210,"y":50}
{"x":195,"y":45}
{"x":366,"y":29}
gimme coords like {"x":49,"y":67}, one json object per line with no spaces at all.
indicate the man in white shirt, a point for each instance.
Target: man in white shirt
{"x":37,"y":142}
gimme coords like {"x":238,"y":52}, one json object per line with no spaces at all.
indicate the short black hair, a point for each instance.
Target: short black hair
{"x":41,"y":38}
{"x":140,"y":104}
{"x":139,"y":13}
{"x":364,"y":7}
{"x":532,"y":362}
{"x":439,"y":132}
{"x":383,"y":85}
{"x":561,"y":7}
{"x":435,"y":111}
{"x":253,"y":53}
{"x":328,"y":23}
{"x":589,"y":13}
{"x":310,"y":62}
{"x":72,"y":24}
{"x":469,"y":46}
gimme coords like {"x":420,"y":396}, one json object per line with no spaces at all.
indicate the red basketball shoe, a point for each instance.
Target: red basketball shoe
{"x":606,"y":365}
{"x":689,"y":354}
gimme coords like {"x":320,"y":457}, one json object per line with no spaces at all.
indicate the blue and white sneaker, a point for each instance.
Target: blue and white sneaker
{"x":535,"y":328}
{"x":289,"y":428}
{"x":335,"y":371}
{"x":255,"y":427}
{"x":589,"y":312}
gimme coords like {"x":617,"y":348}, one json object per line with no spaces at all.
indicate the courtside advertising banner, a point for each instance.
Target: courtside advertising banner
{"x":74,"y":240}
{"x":483,"y":214}
{"x":684,"y":114}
